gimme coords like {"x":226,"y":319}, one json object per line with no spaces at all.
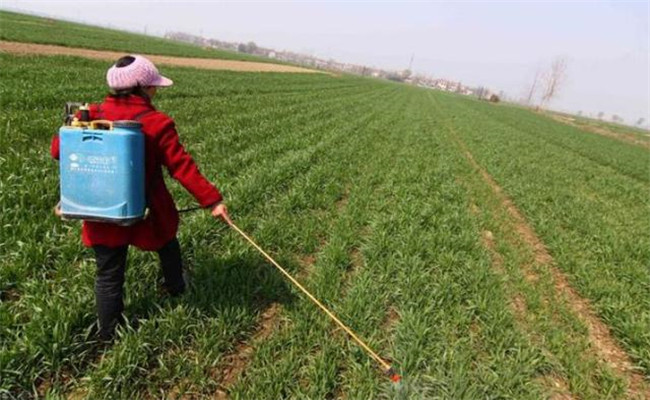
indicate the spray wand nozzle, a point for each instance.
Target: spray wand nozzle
{"x":394,"y":376}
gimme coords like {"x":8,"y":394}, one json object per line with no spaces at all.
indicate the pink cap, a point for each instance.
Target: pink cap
{"x":140,"y":72}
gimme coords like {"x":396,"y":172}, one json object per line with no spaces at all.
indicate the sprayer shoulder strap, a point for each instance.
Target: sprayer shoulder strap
{"x":99,"y":111}
{"x":153,"y":181}
{"x":138,"y":117}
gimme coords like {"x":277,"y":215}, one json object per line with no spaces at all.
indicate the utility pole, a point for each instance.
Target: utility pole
{"x":411,"y":62}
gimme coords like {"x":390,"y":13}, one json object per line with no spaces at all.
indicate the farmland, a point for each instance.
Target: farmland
{"x":17,"y":27}
{"x":486,"y":250}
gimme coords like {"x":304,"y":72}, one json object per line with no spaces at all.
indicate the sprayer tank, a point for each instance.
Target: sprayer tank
{"x":102,"y":172}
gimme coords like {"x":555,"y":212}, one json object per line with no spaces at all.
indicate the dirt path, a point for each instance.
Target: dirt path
{"x":623,"y":137}
{"x":202,"y":63}
{"x":598,"y":332}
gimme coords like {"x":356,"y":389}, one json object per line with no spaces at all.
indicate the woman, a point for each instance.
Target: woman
{"x":133,"y":81}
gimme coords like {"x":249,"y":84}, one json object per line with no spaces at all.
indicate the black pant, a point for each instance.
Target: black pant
{"x":109,"y":282}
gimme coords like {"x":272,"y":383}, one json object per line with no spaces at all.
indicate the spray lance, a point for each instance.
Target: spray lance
{"x":386,"y":367}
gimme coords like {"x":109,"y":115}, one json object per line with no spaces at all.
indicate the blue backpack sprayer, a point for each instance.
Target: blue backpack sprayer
{"x":101,"y":169}
{"x":102,"y":179}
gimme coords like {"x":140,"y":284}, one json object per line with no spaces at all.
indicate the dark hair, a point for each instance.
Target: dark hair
{"x":124,"y":61}
{"x":137,"y":90}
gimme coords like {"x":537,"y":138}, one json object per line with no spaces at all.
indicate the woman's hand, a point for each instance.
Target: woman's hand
{"x":220,"y":211}
{"x":57,"y":210}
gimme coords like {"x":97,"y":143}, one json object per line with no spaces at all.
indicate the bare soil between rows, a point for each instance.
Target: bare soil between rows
{"x":237,"y":361}
{"x":623,"y":137}
{"x":201,"y":63}
{"x":557,"y":384}
{"x":598,"y":332}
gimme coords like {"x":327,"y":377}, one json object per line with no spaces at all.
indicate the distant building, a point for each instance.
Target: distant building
{"x":333,"y":65}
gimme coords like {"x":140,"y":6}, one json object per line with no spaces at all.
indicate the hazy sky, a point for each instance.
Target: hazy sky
{"x":496,"y":44}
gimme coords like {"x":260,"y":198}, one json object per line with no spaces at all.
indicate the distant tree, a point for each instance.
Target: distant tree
{"x":640,"y":121}
{"x":494,"y":99}
{"x":392,"y":76}
{"x":601,"y":114}
{"x":554,"y":79}
{"x":481,"y":92}
{"x":249,"y":47}
{"x":533,"y":87}
{"x":616,"y":118}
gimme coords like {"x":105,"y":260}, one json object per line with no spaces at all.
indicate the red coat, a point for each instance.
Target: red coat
{"x":162,"y":147}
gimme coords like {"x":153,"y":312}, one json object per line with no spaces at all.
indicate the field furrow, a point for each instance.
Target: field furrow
{"x":593,"y":221}
{"x":598,"y":333}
